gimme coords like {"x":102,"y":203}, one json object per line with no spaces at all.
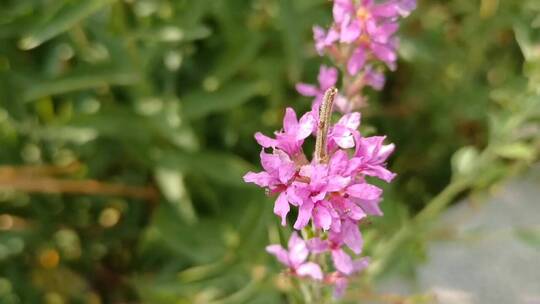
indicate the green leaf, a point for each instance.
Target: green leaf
{"x":220,"y":167}
{"x":202,"y":103}
{"x":291,"y":36}
{"x":61,"y":22}
{"x":171,"y":183}
{"x":80,"y":80}
{"x":518,"y":151}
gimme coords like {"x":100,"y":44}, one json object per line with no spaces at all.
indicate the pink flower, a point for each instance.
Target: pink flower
{"x":373,"y":155}
{"x":367,"y":197}
{"x":310,"y":193}
{"x":292,"y":137}
{"x":343,"y":133}
{"x":278,"y":172}
{"x":332,"y":191}
{"x":350,"y":236}
{"x":368,"y":25}
{"x":371,"y":38}
{"x":295,"y":258}
{"x":324,"y":39}
{"x":373,"y":78}
{"x":341,"y":280}
{"x":327,"y":78}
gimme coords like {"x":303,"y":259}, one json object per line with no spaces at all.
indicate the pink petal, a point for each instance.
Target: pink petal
{"x":351,"y":120}
{"x":337,"y":183}
{"x":387,"y":10}
{"x":322,"y":217}
{"x":384,"y":53}
{"x":319,"y":35}
{"x":371,"y":207}
{"x":342,"y":136}
{"x":374,"y":79}
{"x":296,"y":195}
{"x":264,"y":140}
{"x":338,"y":162}
{"x":331,"y":37}
{"x":380,"y":172}
{"x":305,"y":126}
{"x":270,"y":162}
{"x":350,"y":31}
{"x":327,"y":77}
{"x":304,"y":214}
{"x":352,"y":236}
{"x":364,"y":191}
{"x":405,"y":7}
{"x":340,"y":286}
{"x":385,"y":32}
{"x":357,"y":60}
{"x":360,"y":264}
{"x":280,"y":253}
{"x":354,"y":211}
{"x":384,"y":152}
{"x":298,"y":250}
{"x":290,"y":122}
{"x":286,"y":172}
{"x":368,"y":147}
{"x":342,"y":261}
{"x":261,"y":179}
{"x":281,"y":208}
{"x":310,"y":269}
{"x":316,"y":245}
{"x":341,"y":9}
{"x":342,"y":104}
{"x":354,"y":164}
{"x":307,"y":89}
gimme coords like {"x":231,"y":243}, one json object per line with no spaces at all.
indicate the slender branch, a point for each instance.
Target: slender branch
{"x":325,"y":113}
{"x":39,"y":179}
{"x":91,"y":187}
{"x":39,"y":170}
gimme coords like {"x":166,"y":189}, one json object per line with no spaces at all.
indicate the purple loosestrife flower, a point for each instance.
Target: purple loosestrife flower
{"x":350,"y":236}
{"x":373,"y":155}
{"x":310,"y":193}
{"x":323,"y":39}
{"x":279,"y":171}
{"x":282,"y":165}
{"x":295,"y":258}
{"x":368,"y":26}
{"x":292,"y":137}
{"x":341,"y":280}
{"x":331,"y":192}
{"x":327,"y":78}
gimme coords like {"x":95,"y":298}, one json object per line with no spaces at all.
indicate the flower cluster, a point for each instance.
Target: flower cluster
{"x":331,"y":192}
{"x":333,"y":195}
{"x":361,"y":37}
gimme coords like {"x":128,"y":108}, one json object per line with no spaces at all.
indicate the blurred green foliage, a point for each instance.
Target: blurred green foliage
{"x":125,"y":128}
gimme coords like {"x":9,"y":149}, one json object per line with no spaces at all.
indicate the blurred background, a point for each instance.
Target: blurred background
{"x":126,"y":126}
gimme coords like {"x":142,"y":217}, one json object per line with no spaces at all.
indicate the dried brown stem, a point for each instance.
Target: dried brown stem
{"x":325,"y":113}
{"x":38,"y":179}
